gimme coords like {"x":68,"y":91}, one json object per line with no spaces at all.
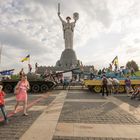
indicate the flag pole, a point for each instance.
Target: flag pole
{"x":29,"y":64}
{"x":29,"y":61}
{"x":1,"y":52}
{"x":118,"y":63}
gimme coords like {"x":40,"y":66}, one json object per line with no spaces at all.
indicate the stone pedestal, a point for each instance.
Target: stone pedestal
{"x":68,"y":59}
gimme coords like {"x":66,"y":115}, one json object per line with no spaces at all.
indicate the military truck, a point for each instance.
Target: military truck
{"x":95,"y":84}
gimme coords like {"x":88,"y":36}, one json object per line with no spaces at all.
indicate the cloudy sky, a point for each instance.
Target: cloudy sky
{"x":105,"y":29}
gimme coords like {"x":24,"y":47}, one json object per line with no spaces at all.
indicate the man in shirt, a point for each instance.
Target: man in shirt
{"x":128,"y":85}
{"x":116,"y":83}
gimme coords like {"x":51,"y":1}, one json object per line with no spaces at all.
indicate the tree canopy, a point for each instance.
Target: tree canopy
{"x":132,"y":64}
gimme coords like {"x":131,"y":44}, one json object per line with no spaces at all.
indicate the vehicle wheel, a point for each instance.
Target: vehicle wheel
{"x":90,"y":88}
{"x":97,"y":89}
{"x":121,"y":89}
{"x":8,"y":88}
{"x":35,"y":88}
{"x":51,"y":85}
{"x":44,"y":88}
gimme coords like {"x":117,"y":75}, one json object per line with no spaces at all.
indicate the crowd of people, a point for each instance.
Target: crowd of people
{"x":110,"y":85}
{"x":118,"y":72}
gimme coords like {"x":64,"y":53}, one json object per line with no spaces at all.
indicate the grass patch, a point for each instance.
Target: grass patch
{"x":137,"y":73}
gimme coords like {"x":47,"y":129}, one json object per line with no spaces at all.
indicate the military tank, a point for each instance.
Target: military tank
{"x":38,"y":83}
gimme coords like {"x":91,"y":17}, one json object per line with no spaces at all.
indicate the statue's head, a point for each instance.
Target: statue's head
{"x":68,"y":18}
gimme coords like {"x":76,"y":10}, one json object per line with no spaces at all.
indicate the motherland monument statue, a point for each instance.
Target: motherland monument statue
{"x":68,"y":57}
{"x":68,"y":28}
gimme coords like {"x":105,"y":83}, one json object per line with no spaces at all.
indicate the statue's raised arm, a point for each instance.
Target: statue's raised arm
{"x":59,"y":13}
{"x":60,"y":18}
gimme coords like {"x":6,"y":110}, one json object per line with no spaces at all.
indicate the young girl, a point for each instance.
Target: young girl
{"x":2,"y":104}
{"x":21,"y":94}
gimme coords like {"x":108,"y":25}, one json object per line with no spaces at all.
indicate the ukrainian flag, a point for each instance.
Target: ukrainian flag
{"x":26,"y":58}
{"x":115,"y":61}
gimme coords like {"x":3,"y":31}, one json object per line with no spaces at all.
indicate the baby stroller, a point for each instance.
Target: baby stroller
{"x":136,"y":93}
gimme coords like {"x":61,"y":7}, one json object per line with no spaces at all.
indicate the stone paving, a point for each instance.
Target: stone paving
{"x":87,"y":116}
{"x":90,"y":138}
{"x":19,"y":124}
{"x":96,"y":112}
{"x":74,"y":115}
{"x":134,"y":103}
{"x":47,"y":121}
{"x":83,"y":95}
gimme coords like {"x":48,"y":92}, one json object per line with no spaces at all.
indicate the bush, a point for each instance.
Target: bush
{"x":15,"y":77}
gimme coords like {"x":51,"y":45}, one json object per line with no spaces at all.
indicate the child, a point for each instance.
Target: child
{"x":2,"y":106}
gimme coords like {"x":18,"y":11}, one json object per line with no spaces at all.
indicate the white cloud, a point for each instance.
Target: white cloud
{"x":105,"y":28}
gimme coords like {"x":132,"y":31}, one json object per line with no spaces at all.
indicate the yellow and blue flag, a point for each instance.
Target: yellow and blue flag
{"x":26,"y":58}
{"x":115,"y":61}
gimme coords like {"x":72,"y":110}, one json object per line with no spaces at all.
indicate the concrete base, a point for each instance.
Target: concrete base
{"x":68,"y":59}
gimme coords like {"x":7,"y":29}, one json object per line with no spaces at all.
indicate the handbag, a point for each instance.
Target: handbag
{"x":17,"y":89}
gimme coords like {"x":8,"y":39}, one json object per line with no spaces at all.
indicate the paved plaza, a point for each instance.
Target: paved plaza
{"x":74,"y":114}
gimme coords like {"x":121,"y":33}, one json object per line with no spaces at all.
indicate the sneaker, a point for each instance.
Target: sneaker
{"x":25,"y":114}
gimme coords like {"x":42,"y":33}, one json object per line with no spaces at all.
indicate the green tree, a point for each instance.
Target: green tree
{"x":15,"y":77}
{"x":132,"y":64}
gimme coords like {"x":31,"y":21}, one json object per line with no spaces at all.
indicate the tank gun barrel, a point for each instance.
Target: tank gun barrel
{"x":54,"y":74}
